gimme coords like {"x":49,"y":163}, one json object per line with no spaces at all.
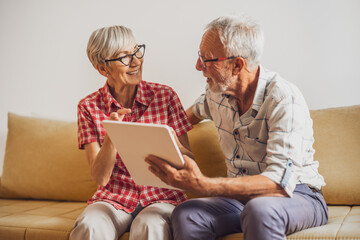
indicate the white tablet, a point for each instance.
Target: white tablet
{"x":135,"y":141}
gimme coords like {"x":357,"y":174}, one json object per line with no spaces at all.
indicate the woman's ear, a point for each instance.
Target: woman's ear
{"x":103,"y":70}
{"x":239,"y":64}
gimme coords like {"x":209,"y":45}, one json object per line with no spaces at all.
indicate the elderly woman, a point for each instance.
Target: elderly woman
{"x":119,"y":204}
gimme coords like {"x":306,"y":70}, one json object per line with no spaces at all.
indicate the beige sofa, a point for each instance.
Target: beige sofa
{"x":46,"y":181}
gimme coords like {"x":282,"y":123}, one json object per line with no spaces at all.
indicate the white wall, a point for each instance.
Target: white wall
{"x":44,"y":70}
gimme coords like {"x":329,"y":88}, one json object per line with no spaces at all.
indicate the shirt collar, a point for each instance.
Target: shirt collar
{"x":260,"y":89}
{"x":143,"y":94}
{"x":142,"y":97}
{"x":259,"y":92}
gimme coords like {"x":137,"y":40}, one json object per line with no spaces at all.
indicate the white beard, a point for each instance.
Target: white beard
{"x":220,"y":87}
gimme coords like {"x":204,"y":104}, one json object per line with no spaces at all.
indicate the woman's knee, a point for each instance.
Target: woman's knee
{"x":100,"y":220}
{"x":153,"y":222}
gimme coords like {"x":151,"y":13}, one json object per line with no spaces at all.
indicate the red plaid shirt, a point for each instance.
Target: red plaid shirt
{"x":154,"y":103}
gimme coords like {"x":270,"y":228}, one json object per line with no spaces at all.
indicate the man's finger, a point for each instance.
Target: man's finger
{"x":159,"y":173}
{"x":160,"y":164}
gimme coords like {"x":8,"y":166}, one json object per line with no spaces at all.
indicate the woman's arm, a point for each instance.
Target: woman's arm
{"x":102,"y":159}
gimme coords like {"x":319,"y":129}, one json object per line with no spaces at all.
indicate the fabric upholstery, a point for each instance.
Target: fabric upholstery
{"x":337,"y":139}
{"x":204,"y":143}
{"x":34,"y":220}
{"x":42,"y":161}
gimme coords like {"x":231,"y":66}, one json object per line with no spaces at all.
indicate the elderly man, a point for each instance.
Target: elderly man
{"x":273,"y":186}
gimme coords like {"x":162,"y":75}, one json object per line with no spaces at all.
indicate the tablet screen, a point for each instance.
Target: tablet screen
{"x":135,"y":141}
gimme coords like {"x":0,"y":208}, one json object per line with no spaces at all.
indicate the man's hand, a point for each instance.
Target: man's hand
{"x":188,"y":178}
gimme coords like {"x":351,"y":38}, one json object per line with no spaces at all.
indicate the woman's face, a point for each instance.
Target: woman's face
{"x":118,"y":73}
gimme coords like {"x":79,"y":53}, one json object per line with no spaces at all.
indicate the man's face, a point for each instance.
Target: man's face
{"x":218,"y":74}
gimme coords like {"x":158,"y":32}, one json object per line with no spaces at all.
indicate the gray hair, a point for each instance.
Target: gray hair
{"x":108,"y":42}
{"x":241,"y":36}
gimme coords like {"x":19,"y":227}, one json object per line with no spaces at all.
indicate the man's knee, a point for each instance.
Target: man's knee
{"x":260,"y":210}
{"x":193,"y":219}
{"x":260,"y":218}
{"x":188,"y":211}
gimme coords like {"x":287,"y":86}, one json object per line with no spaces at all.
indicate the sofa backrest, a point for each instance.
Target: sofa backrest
{"x":42,"y":161}
{"x":337,"y":146}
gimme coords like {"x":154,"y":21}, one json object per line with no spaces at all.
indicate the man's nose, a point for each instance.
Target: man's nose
{"x":199,"y":66}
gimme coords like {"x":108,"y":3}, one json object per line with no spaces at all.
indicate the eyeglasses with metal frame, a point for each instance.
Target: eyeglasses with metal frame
{"x":127,"y":59}
{"x":204,"y":61}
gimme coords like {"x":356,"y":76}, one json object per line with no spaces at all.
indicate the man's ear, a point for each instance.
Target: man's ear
{"x":239,"y":64}
{"x":102,"y":70}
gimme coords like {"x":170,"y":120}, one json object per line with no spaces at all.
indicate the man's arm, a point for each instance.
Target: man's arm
{"x":193,"y":119}
{"x":191,"y":179}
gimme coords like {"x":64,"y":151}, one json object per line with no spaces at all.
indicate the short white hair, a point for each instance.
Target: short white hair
{"x":241,"y":36}
{"x":108,"y":42}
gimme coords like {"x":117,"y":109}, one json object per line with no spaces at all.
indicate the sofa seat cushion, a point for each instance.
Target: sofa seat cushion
{"x":350,"y":228}
{"x":28,"y":219}
{"x":34,"y":220}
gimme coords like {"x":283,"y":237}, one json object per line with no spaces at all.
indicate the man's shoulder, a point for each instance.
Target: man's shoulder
{"x":279,"y":89}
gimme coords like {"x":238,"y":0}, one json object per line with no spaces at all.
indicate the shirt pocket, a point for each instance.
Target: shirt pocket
{"x":255,"y":149}
{"x":248,"y":167}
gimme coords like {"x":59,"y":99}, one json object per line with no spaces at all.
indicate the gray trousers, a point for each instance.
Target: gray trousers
{"x":101,"y":221}
{"x":259,"y":219}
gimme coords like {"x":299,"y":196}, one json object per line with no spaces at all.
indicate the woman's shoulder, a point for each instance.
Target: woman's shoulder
{"x":92,"y":98}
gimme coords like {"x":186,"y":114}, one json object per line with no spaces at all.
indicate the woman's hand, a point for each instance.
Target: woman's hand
{"x":119,"y":114}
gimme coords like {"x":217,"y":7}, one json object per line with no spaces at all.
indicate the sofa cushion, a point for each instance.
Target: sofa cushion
{"x":42,"y":161}
{"x":204,"y":143}
{"x":31,"y":220}
{"x":337,"y":139}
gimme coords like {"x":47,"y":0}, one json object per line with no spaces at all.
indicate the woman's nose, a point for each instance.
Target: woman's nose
{"x":135,"y":61}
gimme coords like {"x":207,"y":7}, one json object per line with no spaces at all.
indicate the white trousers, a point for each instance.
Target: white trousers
{"x":101,"y":221}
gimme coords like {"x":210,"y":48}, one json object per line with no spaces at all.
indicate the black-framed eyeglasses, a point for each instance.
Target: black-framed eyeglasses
{"x":204,"y":61}
{"x":127,"y":59}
